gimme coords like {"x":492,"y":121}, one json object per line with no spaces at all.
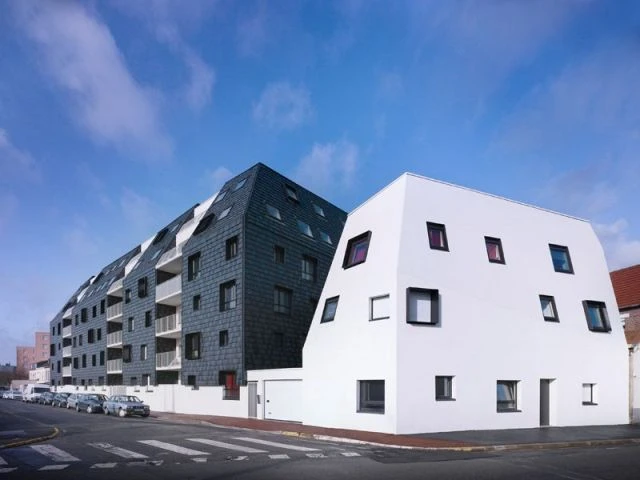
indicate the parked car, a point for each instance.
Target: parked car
{"x":60,"y":399}
{"x":14,"y":395}
{"x":72,"y":400}
{"x":33,"y":391}
{"x":46,"y":398}
{"x":90,"y":403}
{"x":124,"y":405}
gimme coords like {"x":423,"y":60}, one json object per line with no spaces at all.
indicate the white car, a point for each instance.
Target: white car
{"x":33,"y":391}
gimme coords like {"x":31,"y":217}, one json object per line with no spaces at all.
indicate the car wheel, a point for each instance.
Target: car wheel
{"x":122,"y":413}
{"x":89,"y":409}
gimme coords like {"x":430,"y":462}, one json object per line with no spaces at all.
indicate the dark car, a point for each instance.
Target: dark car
{"x":90,"y":403}
{"x":60,"y":399}
{"x":46,"y":398}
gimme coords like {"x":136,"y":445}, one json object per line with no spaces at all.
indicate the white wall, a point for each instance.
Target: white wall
{"x":634,"y":379}
{"x":40,"y":375}
{"x":289,"y":408}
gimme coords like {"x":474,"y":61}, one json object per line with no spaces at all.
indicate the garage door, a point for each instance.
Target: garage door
{"x":283,"y":400}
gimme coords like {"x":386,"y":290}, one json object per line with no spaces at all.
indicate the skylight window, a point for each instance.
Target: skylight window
{"x":220,"y":196}
{"x":224,"y":213}
{"x":155,"y":255}
{"x":291,"y":193}
{"x":240,"y":184}
{"x":273,"y":212}
{"x":204,"y":224}
{"x":325,"y":237}
{"x":160,"y":236}
{"x":305,"y":229}
{"x":318,"y":209}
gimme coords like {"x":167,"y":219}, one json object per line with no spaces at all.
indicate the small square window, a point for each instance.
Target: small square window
{"x":507,"y":395}
{"x":589,"y":392}
{"x":305,"y":229}
{"x":371,"y":396}
{"x":147,"y":318}
{"x":444,"y":388}
{"x":357,"y":249}
{"x":224,"y":213}
{"x":231,"y":248}
{"x":240,"y":184}
{"x":318,"y":209}
{"x":548,"y":305}
{"x":329,"y":311}
{"x":325,"y":237}
{"x":437,"y":236}
{"x":309,"y":268}
{"x":561,"y":259}
{"x":192,"y":346}
{"x":494,"y":250}
{"x":291,"y":193}
{"x":282,"y":300}
{"x":228,"y":296}
{"x":273,"y":212}
{"x":196,"y":302}
{"x":278,"y":254}
{"x":379,"y":308}
{"x":193,"y":266}
{"x":597,"y":318}
{"x":423,"y":306}
{"x":191,"y":380}
{"x":223,"y":338}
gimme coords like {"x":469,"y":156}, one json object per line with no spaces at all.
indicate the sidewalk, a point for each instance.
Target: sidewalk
{"x":480,"y":441}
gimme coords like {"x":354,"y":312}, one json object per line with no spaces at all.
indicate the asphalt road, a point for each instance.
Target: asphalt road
{"x":97,"y":446}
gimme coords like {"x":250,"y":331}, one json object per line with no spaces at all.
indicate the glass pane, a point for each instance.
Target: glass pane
{"x":436,"y":238}
{"x":493,"y":251}
{"x":560,"y":259}
{"x":380,"y":307}
{"x":547,"y":308}
{"x":420,"y":307}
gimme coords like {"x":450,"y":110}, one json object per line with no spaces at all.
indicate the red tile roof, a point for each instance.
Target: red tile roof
{"x":626,"y":284}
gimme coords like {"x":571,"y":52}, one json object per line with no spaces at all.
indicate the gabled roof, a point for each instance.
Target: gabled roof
{"x":626,"y":284}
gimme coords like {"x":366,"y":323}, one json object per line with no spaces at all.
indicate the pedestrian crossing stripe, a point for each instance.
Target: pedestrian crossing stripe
{"x":54,"y":453}
{"x":286,"y":446}
{"x":228,"y":446}
{"x":3,"y":461}
{"x":173,"y":448}
{"x":104,"y":465}
{"x":279,"y":456}
{"x":121,"y":452}
{"x":56,"y":466}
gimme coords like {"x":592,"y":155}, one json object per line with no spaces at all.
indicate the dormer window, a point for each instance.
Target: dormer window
{"x":220,"y":196}
{"x":318,"y":209}
{"x":305,"y":229}
{"x":273,"y":212}
{"x":240,"y":184}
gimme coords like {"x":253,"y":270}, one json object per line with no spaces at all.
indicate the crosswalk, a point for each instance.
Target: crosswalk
{"x":154,"y":452}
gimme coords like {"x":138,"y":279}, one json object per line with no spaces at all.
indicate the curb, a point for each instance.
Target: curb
{"x":29,"y":441}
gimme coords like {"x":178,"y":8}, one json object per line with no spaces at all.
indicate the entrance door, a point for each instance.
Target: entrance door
{"x":253,"y":399}
{"x":545,"y":402}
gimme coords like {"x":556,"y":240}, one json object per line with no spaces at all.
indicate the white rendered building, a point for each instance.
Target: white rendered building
{"x":451,"y":309}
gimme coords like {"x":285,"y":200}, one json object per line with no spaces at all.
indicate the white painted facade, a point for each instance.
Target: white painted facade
{"x":279,"y":393}
{"x":490,"y":325}
{"x":40,"y":375}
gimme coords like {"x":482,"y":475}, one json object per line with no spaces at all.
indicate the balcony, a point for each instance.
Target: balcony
{"x":114,"y":339}
{"x":66,"y":351}
{"x":171,"y":261}
{"x":116,"y":288}
{"x":114,"y":313}
{"x":114,"y":366}
{"x":168,"y":361}
{"x":66,"y":331}
{"x":169,"y":326}
{"x":170,"y":292}
{"x":68,"y":313}
{"x":66,"y":371}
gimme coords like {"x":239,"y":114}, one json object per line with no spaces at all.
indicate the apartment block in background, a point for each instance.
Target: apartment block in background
{"x":28,"y":356}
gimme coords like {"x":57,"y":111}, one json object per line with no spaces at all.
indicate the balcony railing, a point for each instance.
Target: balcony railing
{"x":114,"y":338}
{"x":169,"y":288}
{"x":168,"y":360}
{"x":66,"y":351}
{"x":67,"y":313}
{"x":66,"y":371}
{"x":168,"y":324}
{"x":231,"y":393}
{"x":115,"y":287}
{"x":114,"y":311}
{"x":114,"y":366}
{"x":66,"y":331}
{"x":172,"y":254}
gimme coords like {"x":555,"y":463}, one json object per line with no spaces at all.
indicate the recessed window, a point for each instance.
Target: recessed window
{"x":94,"y":311}
{"x":561,"y":259}
{"x":159,"y":236}
{"x":318,"y":209}
{"x":379,"y":307}
{"x":494,"y":249}
{"x":305,"y":229}
{"x":102,"y":307}
{"x":228,"y":296}
{"x":273,"y":212}
{"x":191,"y":380}
{"x":143,"y":352}
{"x":196,"y":302}
{"x":589,"y":394}
{"x":423,"y":306}
{"x":91,"y":335}
{"x":84,"y":360}
{"x":437,"y":236}
{"x":507,"y":395}
{"x":193,"y":266}
{"x":99,"y":334}
{"x":548,"y":305}
{"x":224,"y":213}
{"x":357,"y":249}
{"x":309,"y":268}
{"x":142,"y":287}
{"x":329,"y":311}
{"x":192,"y":346}
{"x":130,"y":324}
{"x":282,"y":300}
{"x":278,"y":254}
{"x":147,"y":319}
{"x":204,"y":224}
{"x":371,"y":396}
{"x":220,"y":196}
{"x":223,"y":338}
{"x":126,"y":353}
{"x":597,"y":318}
{"x":444,"y":388}
{"x":83,"y":315}
{"x":231,"y":248}
{"x":127,"y":295}
{"x":291,"y":193}
{"x":93,"y":360}
{"x":240,"y":184}
{"x":325,"y":237}
{"x":101,"y":357}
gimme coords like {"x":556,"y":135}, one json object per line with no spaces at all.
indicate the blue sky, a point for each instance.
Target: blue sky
{"x":116,"y":116}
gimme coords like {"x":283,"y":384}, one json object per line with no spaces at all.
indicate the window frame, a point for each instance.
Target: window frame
{"x":318,"y":210}
{"x":291,"y":193}
{"x":309,"y":274}
{"x":148,"y":319}
{"x":197,"y":302}
{"x":438,"y":227}
{"x":280,"y":293}
{"x":552,"y":301}
{"x":603,"y":315}
{"x":330,"y":301}
{"x":191,"y":340}
{"x":593,"y":394}
{"x":223,"y":338}
{"x":306,"y":231}
{"x":193,"y":266}
{"x":565,"y":250}
{"x":231,"y":248}
{"x":365,"y":403}
{"x":371,"y":309}
{"x":514,"y":393}
{"x":227,"y":304}
{"x":353,"y":247}
{"x":143,"y":289}
{"x":498,"y":243}
{"x":144,"y":353}
{"x":273,"y":212}
{"x":447,"y":381}
{"x":434,"y":305}
{"x":279,"y":254}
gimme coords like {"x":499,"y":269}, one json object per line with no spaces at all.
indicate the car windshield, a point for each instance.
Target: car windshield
{"x":132,"y":398}
{"x":40,"y":389}
{"x":94,"y":397}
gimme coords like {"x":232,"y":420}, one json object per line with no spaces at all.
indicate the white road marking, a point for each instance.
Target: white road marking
{"x":276,"y":444}
{"x":173,"y":448}
{"x":350,"y":454}
{"x":53,"y":467}
{"x":199,"y":460}
{"x":242,"y":457}
{"x":121,"y":452}
{"x":104,"y":465}
{"x":279,"y":456}
{"x":228,"y":446}
{"x":54,"y":453}
{"x":8,"y":470}
{"x":316,"y":455}
{"x":3,"y":461}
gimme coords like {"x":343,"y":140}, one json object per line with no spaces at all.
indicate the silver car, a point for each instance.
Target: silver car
{"x":72,"y":400}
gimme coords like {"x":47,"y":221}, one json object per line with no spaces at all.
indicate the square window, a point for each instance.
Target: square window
{"x":224,"y":213}
{"x":357,"y":249}
{"x":309,"y":268}
{"x":143,"y":352}
{"x":379,"y":307}
{"x":507,"y":395}
{"x":228,"y":294}
{"x":278,"y":254}
{"x":437,"y":236}
{"x":329,"y":311}
{"x":305,"y":229}
{"x":597,"y":318}
{"x":191,"y":380}
{"x":561,"y":259}
{"x":291,"y":193}
{"x":318,"y":209}
{"x":223,"y":338}
{"x":196,"y":302}
{"x":192,"y":346}
{"x":282,"y":300}
{"x":494,"y":250}
{"x":231,"y":248}
{"x":193,"y":266}
{"x":273,"y":212}
{"x":423,"y":306}
{"x":444,"y":388}
{"x":589,"y":394}
{"x":548,"y":305}
{"x":371,"y":396}
{"x":147,"y":318}
{"x":142,"y":287}
{"x":324,"y":236}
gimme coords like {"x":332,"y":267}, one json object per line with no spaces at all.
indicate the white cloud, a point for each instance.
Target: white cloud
{"x":620,"y":250}
{"x":81,"y":57}
{"x":218,"y":177}
{"x":328,"y":167}
{"x":283,"y":107}
{"x":198,"y":91}
{"x":8,"y":207}
{"x":16,"y":163}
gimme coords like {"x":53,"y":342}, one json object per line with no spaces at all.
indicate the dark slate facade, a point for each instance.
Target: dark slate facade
{"x":248,"y":278}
